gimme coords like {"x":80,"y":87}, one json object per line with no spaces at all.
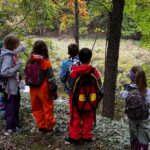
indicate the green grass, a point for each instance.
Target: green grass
{"x":130,"y":54}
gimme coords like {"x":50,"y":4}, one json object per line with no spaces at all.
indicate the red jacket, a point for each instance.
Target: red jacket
{"x":81,"y":70}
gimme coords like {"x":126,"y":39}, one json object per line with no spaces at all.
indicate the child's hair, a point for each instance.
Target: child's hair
{"x":85,"y":55}
{"x":11,"y":41}
{"x":139,"y":79}
{"x":133,"y":72}
{"x":73,"y":49}
{"x":40,"y":48}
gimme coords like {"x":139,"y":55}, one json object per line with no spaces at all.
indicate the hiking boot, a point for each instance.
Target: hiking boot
{"x":88,"y":140}
{"x":42,"y":130}
{"x":49,"y":130}
{"x":45,"y":130}
{"x":8,"y":132}
{"x":69,"y":140}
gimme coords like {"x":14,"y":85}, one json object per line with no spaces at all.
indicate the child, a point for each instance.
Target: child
{"x":42,"y":97}
{"x":73,"y":59}
{"x":81,"y":123}
{"x":9,"y":68}
{"x":139,"y":129}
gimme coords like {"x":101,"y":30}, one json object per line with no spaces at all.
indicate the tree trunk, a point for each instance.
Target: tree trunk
{"x":76,"y":21}
{"x":111,"y":63}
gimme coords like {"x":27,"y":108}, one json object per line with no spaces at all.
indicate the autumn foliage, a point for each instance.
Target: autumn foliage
{"x":67,"y":19}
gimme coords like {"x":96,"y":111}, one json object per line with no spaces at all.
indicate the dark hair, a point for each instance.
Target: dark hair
{"x":11,"y":42}
{"x":73,"y":49}
{"x":40,"y":48}
{"x":85,"y":55}
{"x":140,"y":81}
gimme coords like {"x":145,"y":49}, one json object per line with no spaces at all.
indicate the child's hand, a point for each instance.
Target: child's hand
{"x":20,"y":49}
{"x":23,"y":48}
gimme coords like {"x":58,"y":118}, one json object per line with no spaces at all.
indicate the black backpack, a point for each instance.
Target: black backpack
{"x":136,"y":107}
{"x":3,"y":80}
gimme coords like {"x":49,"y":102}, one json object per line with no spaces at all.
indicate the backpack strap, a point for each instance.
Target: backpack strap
{"x":129,"y":88}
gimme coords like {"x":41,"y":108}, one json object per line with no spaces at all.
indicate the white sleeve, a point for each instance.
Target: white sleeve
{"x":124,"y":94}
{"x":20,"y":49}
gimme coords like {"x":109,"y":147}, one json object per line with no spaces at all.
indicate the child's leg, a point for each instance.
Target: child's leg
{"x":17,"y":107}
{"x":37,"y":109}
{"x":2,"y":105}
{"x":10,"y":112}
{"x":75,"y":125}
{"x":87,"y":126}
{"x":48,"y":111}
{"x":144,"y":134}
{"x":133,"y":130}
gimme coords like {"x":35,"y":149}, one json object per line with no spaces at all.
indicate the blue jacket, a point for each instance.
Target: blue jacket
{"x":66,"y":68}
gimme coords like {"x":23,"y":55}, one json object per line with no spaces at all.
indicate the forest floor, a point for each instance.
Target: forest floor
{"x":110,"y":134}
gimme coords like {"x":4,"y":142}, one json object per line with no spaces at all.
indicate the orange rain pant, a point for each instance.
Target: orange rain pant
{"x":42,"y":106}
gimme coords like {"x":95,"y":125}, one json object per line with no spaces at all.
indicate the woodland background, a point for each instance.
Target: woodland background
{"x":54,"y":22}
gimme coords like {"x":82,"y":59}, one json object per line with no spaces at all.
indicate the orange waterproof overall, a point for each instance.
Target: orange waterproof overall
{"x":42,"y":105}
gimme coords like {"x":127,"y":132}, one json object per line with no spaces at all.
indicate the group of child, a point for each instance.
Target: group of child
{"x":81,"y":81}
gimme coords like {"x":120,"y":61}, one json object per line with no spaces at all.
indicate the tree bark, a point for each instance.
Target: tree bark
{"x":76,"y":21}
{"x":111,"y":63}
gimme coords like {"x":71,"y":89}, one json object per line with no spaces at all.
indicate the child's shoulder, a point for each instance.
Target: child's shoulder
{"x":66,"y":62}
{"x":96,"y":71}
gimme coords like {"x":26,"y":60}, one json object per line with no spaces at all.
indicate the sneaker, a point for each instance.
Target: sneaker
{"x":88,"y":140}
{"x":49,"y":130}
{"x":8,"y":132}
{"x":69,"y":140}
{"x":42,"y":129}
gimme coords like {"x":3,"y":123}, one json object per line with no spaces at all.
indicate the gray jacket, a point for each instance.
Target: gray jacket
{"x":9,"y":70}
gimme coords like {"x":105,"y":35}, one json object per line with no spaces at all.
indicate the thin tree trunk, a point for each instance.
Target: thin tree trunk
{"x":111,"y":64}
{"x":76,"y":22}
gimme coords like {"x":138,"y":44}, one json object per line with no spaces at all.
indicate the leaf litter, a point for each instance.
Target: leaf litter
{"x":110,"y":134}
